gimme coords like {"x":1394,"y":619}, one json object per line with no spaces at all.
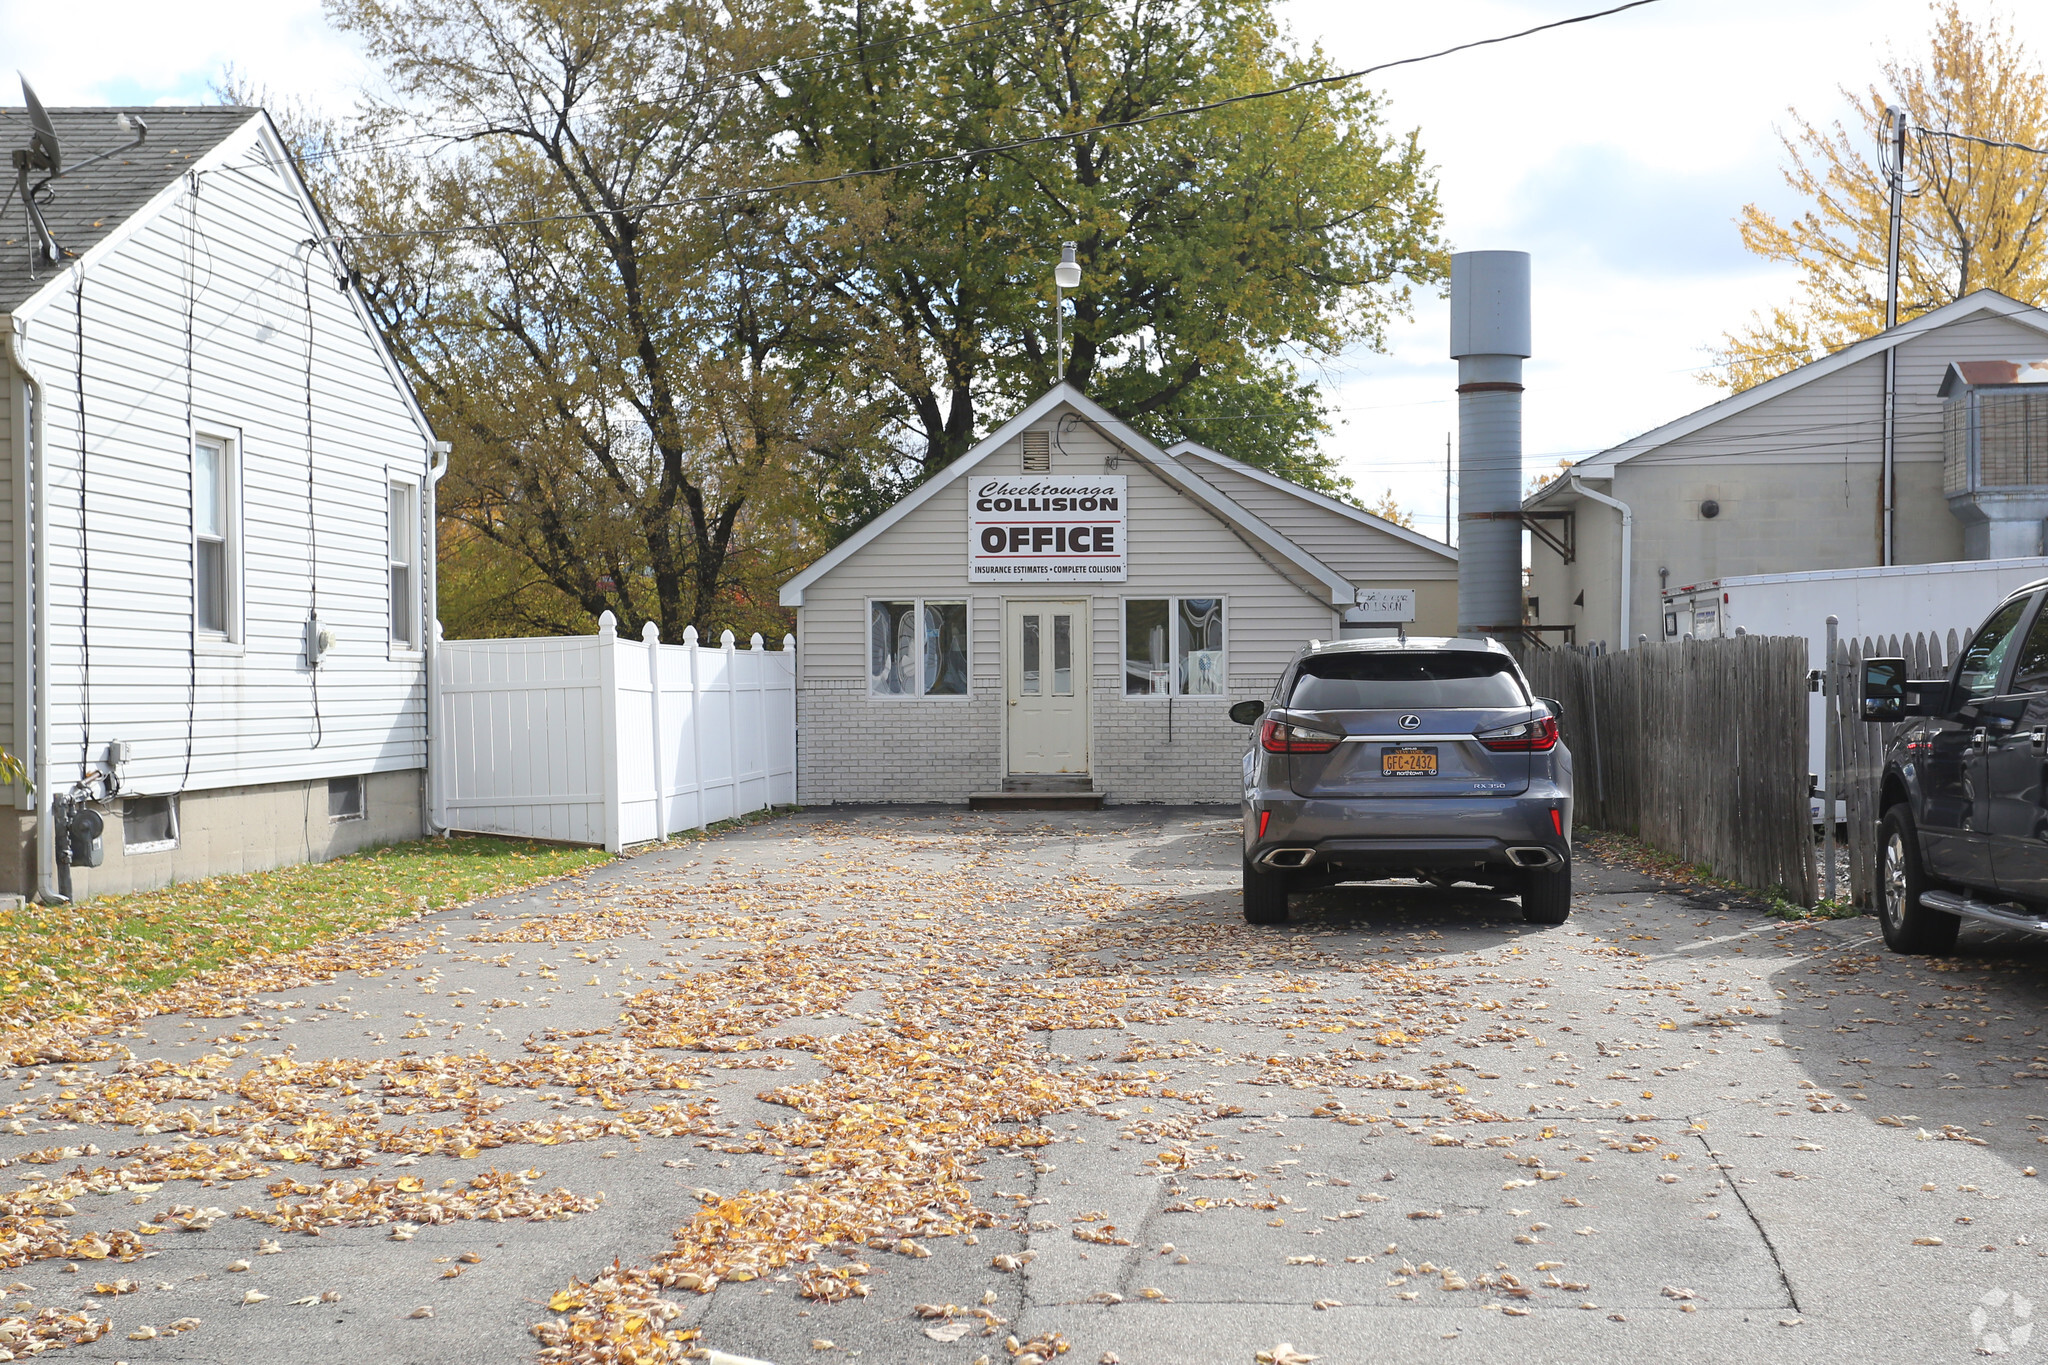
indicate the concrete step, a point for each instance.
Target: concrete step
{"x":1048,"y":782}
{"x":1054,"y":800}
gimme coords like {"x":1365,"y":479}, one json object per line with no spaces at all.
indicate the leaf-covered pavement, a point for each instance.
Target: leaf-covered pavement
{"x":919,"y":1086}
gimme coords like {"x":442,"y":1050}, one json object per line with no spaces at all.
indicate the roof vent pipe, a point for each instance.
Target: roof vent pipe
{"x":1489,"y":340}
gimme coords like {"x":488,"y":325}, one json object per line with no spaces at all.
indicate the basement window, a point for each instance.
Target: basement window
{"x":149,"y":824}
{"x":345,"y":798}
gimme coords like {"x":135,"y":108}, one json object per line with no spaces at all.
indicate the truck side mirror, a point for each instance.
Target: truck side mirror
{"x":1884,"y":689}
{"x":1247,"y":712}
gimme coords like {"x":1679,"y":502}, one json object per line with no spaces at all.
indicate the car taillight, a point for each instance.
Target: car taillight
{"x":1528,"y":737}
{"x":1278,"y":737}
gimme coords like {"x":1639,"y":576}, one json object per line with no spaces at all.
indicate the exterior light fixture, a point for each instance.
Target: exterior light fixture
{"x":1066,"y":275}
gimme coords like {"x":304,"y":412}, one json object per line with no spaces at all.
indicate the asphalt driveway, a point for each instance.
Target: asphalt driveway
{"x":916,"y":1085}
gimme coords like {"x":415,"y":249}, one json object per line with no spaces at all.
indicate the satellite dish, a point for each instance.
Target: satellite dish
{"x":44,"y":151}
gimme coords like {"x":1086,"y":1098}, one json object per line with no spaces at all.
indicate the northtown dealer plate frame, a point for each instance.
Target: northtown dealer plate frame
{"x":1408,"y":760}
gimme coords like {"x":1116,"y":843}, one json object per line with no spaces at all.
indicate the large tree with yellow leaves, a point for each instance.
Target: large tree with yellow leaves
{"x":1976,"y":215}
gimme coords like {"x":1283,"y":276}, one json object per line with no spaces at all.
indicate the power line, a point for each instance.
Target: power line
{"x":1984,"y":141}
{"x":1017,"y":144}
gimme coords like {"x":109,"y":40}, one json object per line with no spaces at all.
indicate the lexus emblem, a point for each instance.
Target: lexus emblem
{"x":1410,"y":722}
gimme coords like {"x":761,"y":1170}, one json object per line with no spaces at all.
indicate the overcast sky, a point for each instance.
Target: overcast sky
{"x":1618,"y":152}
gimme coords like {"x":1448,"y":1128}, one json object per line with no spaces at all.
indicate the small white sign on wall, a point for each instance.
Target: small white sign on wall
{"x":1038,"y":528}
{"x":1383,"y":606}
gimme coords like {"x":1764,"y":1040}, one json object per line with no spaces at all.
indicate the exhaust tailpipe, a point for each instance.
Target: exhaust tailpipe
{"x":1533,"y":855}
{"x":1287,"y":857}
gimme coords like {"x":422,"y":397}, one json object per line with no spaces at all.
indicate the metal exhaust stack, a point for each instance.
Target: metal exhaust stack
{"x":1489,"y":340}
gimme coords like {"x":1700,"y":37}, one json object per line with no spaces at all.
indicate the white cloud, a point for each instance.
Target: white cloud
{"x":164,"y":52}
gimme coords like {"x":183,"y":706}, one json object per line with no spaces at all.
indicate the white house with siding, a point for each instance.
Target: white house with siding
{"x":1789,"y":476}
{"x":215,"y":530}
{"x":1006,"y":632}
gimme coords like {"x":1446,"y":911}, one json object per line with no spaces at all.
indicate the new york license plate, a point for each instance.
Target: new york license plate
{"x":1408,"y":762}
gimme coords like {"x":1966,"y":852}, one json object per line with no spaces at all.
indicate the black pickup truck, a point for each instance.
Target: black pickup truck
{"x":1963,"y":830}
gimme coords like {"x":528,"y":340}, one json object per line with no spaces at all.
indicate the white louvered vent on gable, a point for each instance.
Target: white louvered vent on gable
{"x":1037,"y":453}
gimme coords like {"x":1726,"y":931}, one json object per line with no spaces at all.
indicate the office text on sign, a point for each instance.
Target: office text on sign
{"x":1046,"y":528}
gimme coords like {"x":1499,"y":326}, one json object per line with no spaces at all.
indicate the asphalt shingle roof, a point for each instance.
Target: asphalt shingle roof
{"x":89,"y":204}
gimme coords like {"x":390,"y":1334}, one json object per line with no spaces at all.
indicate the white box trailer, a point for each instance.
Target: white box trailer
{"x":1904,"y":599}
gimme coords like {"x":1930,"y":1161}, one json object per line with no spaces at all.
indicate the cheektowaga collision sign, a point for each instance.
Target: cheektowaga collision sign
{"x":1025,"y":528}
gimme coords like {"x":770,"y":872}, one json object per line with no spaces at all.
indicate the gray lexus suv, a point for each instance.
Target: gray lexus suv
{"x":1420,"y":757}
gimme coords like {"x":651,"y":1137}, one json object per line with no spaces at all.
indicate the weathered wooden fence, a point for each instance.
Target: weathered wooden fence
{"x":1698,"y":747}
{"x":602,"y":740}
{"x":1858,"y":763}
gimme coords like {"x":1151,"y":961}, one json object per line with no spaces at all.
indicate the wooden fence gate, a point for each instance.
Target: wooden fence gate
{"x":1697,"y":746}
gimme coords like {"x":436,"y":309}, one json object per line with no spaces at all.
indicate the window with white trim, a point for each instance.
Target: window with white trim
{"x":404,"y":555}
{"x":917,"y":648}
{"x":216,"y":519}
{"x":1173,"y":647}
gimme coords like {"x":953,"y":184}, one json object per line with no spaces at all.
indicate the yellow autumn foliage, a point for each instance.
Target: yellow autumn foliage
{"x":1976,"y":216}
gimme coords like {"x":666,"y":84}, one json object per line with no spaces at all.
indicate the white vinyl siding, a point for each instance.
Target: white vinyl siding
{"x":194,"y":719}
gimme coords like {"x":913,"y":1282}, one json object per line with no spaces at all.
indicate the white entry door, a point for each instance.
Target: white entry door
{"x":1045,"y":666}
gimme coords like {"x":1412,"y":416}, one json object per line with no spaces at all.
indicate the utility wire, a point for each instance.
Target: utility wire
{"x":1016,"y":144}
{"x":1983,"y":141}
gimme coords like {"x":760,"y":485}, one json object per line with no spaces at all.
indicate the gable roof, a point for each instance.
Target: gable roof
{"x":86,"y":207}
{"x":1118,"y":431}
{"x":1309,"y":495}
{"x":1977,"y":302}
{"x":235,"y":131}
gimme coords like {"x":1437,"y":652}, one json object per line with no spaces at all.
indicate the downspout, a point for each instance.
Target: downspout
{"x":430,"y":635}
{"x":1628,"y":521}
{"x":38,"y":755}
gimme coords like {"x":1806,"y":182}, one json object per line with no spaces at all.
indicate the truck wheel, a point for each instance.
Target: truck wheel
{"x":1908,"y":926}
{"x":1547,"y":893}
{"x":1265,"y":895}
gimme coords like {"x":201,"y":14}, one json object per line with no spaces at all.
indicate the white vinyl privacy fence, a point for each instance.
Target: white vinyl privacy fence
{"x":602,"y":740}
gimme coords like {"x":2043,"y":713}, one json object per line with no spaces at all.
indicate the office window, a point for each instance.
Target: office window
{"x":404,"y":552}
{"x":917,"y":648}
{"x":213,"y":529}
{"x":1173,"y":647}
